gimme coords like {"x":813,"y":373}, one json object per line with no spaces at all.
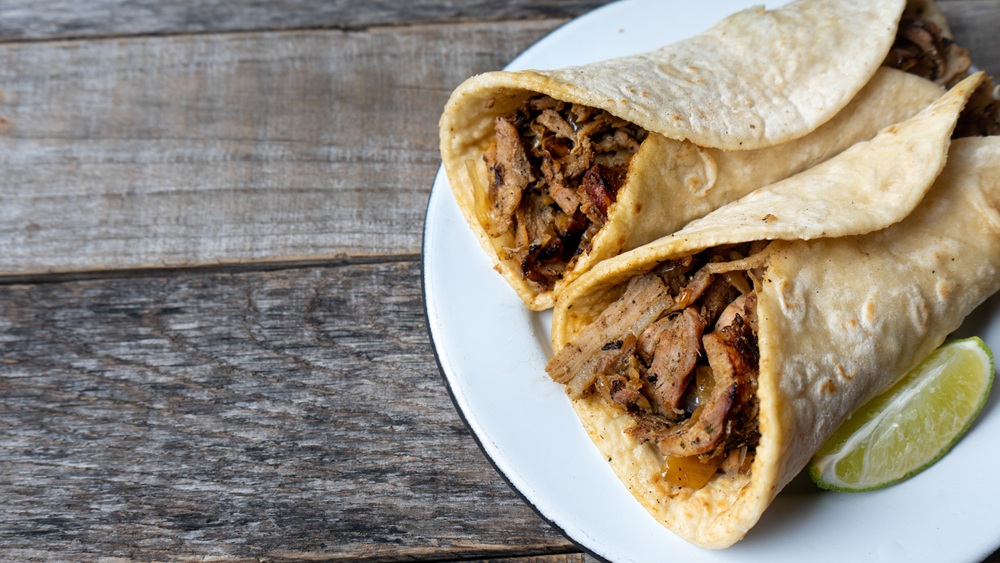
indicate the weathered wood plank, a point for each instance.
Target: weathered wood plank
{"x":974,"y":24}
{"x":51,"y":19}
{"x":228,"y":148}
{"x":292,"y":414}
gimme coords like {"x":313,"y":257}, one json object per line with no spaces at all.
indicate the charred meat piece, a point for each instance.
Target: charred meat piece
{"x":511,"y":174}
{"x":598,"y":191}
{"x":922,"y":49}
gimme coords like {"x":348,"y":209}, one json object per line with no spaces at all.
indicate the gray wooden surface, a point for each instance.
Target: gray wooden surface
{"x":48,"y":19}
{"x":212,"y":338}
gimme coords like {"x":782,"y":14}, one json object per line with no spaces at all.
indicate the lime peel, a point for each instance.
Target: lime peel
{"x":912,"y":425}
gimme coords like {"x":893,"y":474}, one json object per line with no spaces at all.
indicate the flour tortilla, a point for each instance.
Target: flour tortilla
{"x":756,"y":81}
{"x":857,"y":289}
{"x":674,"y":182}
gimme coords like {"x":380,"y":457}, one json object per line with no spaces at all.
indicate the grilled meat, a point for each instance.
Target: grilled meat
{"x":677,"y":352}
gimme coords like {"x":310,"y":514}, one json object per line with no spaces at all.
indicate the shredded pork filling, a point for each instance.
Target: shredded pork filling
{"x":921,"y":48}
{"x":678,"y":353}
{"x":554,"y":170}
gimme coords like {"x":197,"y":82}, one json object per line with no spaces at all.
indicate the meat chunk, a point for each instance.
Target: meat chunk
{"x":554,"y":122}
{"x":677,"y":352}
{"x":511,"y":173}
{"x":922,"y":49}
{"x":695,"y":288}
{"x":716,"y":298}
{"x":598,"y":191}
{"x":618,"y":378}
{"x":738,"y":307}
{"x":564,"y":196}
{"x":576,"y":365}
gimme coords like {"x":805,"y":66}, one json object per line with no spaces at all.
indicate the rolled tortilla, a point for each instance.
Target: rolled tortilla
{"x":749,"y":102}
{"x":672,"y":183}
{"x":855,"y":290}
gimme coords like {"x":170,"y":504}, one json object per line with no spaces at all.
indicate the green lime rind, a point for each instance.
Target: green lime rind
{"x":857,"y":431}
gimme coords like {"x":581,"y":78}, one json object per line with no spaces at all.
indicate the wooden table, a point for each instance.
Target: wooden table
{"x":211,"y":323}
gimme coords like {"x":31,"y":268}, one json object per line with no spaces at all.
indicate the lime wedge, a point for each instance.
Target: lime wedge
{"x":909,"y":427}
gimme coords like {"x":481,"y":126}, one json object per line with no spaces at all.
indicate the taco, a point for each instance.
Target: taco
{"x":557,"y":170}
{"x":709,"y":365}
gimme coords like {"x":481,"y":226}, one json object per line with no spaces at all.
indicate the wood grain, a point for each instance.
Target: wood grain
{"x":293,"y":414}
{"x":53,"y":19}
{"x":159,"y":152}
{"x":974,"y":24}
{"x":57,"y":19}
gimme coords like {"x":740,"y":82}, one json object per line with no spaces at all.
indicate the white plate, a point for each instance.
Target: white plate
{"x":493,"y":351}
